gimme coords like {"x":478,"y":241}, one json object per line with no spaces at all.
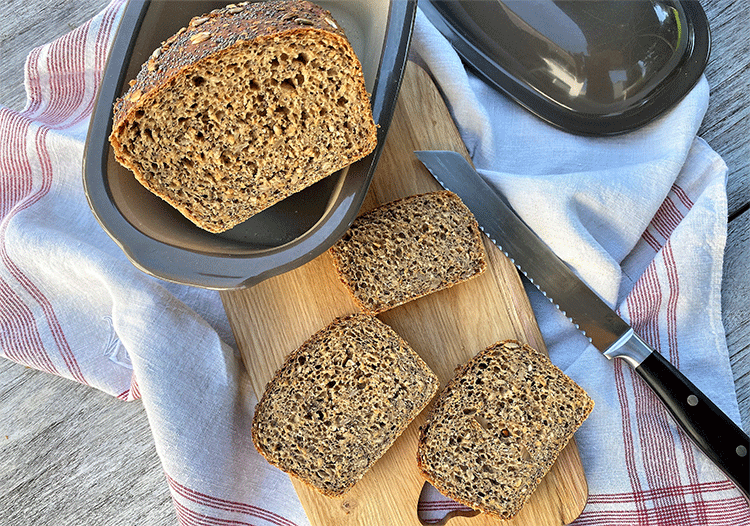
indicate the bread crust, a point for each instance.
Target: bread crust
{"x":208,"y":38}
{"x":228,"y":26}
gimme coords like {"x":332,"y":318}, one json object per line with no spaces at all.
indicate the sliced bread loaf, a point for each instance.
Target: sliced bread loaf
{"x":498,"y":427}
{"x":245,"y":106}
{"x":340,"y":401}
{"x":409,"y":248}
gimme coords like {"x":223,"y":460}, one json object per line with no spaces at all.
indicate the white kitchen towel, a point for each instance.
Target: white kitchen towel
{"x":641,"y":217}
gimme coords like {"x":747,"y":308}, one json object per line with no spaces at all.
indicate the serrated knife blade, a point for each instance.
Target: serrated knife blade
{"x":712,"y":430}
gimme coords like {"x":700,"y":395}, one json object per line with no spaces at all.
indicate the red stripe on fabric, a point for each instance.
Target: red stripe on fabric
{"x":101,"y":49}
{"x":189,"y":517}
{"x":75,"y":88}
{"x":15,"y":170}
{"x":667,"y":218}
{"x":103,"y":40}
{"x":655,"y":493}
{"x":683,"y":196}
{"x":226,"y":505}
{"x":65,"y":61}
{"x":643,"y":304}
{"x":133,"y":393}
{"x":656,"y":440}
{"x":22,"y":204}
{"x":724,"y":512}
{"x":651,"y":241}
{"x":20,"y":339}
{"x":640,"y":431}
{"x":628,"y":436}
{"x":135,"y":390}
{"x":16,"y":182}
{"x":44,"y":303}
{"x":66,"y":64}
{"x":654,"y":430}
{"x":34,"y":86}
{"x":673,"y":279}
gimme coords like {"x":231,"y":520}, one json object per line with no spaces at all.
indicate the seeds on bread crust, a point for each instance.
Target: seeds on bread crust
{"x":248,"y":99}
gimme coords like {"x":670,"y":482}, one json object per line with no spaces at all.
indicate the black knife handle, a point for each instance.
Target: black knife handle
{"x":719,"y":438}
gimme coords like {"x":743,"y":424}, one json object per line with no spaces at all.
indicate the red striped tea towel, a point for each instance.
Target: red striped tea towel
{"x":642,"y":218}
{"x":72,"y":305}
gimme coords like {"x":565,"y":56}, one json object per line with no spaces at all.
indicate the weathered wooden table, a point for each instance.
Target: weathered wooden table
{"x":72,"y":455}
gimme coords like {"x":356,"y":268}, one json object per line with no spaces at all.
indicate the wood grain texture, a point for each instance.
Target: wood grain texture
{"x":71,"y":455}
{"x":736,"y":309}
{"x":726,"y":126}
{"x":446,"y":329}
{"x":36,"y":486}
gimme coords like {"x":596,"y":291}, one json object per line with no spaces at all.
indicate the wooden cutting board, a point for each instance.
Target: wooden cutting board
{"x":447,"y":328}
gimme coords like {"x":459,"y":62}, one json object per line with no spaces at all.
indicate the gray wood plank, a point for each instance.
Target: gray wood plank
{"x":27,"y":25}
{"x":726,"y":128}
{"x":72,"y":455}
{"x":727,"y":124}
{"x":735,"y":300}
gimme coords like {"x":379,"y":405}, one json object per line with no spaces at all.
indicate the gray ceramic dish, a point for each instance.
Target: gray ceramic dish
{"x":159,"y":240}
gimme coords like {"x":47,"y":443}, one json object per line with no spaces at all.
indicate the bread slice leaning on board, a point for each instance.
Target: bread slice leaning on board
{"x":245,"y":106}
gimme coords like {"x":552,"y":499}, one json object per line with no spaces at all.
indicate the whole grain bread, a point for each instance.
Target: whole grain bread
{"x":409,"y":248}
{"x":245,"y":106}
{"x":498,"y":427}
{"x":340,"y":401}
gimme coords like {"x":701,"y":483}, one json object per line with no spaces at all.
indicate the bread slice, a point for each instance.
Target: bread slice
{"x":409,"y":248}
{"x":340,"y":401}
{"x":498,"y":427}
{"x":245,"y":106}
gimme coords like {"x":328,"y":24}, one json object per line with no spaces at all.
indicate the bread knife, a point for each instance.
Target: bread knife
{"x":712,"y":430}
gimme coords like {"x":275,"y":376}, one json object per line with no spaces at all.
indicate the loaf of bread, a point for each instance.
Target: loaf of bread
{"x":340,"y":401}
{"x":409,"y":248}
{"x":245,"y":106}
{"x":498,"y":427}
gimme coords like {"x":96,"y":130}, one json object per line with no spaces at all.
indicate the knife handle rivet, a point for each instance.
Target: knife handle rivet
{"x":692,"y":400}
{"x":741,"y":451}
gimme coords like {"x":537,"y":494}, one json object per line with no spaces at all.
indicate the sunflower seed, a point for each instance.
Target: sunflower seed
{"x":200,"y":37}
